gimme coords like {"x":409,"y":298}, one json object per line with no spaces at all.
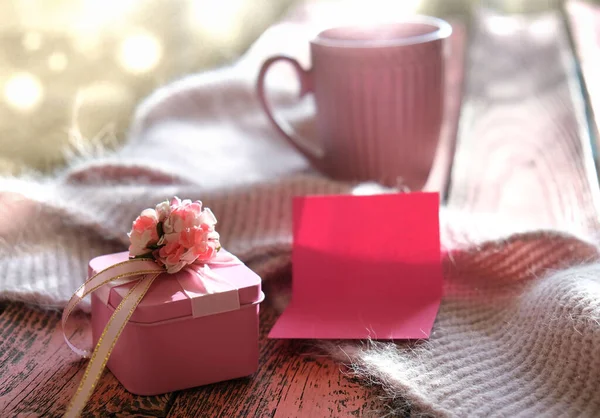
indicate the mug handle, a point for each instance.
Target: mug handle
{"x":313,"y":152}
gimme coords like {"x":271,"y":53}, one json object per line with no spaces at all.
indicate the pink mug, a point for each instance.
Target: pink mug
{"x":379,"y":94}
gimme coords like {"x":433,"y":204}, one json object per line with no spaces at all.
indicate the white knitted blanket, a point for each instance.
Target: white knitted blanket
{"x":518,"y":331}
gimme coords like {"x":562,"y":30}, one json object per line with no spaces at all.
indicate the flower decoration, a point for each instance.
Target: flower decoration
{"x":175,"y":234}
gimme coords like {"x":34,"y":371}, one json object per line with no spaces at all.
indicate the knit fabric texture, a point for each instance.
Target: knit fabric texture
{"x":519,"y":326}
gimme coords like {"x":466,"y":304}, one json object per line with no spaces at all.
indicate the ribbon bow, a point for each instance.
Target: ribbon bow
{"x":143,"y":272}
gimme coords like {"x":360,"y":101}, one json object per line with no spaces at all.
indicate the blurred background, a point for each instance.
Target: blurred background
{"x":72,"y":71}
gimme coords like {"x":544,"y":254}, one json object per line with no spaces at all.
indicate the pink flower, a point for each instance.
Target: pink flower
{"x":187,"y":234}
{"x":184,"y":214}
{"x":206,"y":250}
{"x":143,"y":233}
{"x":171,"y":252}
{"x":174,"y":256}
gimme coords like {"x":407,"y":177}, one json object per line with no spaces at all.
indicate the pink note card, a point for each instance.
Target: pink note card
{"x":364,"y":267}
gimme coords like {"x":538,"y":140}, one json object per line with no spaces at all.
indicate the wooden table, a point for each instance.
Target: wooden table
{"x":39,"y":374}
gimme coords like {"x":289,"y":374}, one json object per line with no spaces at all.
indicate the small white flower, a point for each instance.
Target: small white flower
{"x":163,"y":209}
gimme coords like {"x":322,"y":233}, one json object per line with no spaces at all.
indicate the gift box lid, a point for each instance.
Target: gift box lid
{"x":166,"y":300}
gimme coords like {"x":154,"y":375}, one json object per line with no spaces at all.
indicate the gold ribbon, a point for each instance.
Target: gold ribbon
{"x":143,"y":271}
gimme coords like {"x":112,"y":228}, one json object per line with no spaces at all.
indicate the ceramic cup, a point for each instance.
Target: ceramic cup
{"x":379,"y":93}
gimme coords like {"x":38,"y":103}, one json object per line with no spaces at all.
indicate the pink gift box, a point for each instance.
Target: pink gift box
{"x":172,"y":342}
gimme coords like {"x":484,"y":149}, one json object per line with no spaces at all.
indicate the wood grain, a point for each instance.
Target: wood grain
{"x":294,"y":379}
{"x":40,"y":374}
{"x":524,"y":151}
{"x":584,"y":21}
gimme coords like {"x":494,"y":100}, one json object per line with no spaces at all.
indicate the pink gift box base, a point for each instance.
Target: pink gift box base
{"x":163,"y":348}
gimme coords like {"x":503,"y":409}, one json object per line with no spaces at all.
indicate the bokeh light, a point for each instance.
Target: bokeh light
{"x":217,"y":19}
{"x":363,"y":13}
{"x":502,"y":25}
{"x":139,"y":53}
{"x":23,"y":91}
{"x":32,"y":41}
{"x":57,"y":61}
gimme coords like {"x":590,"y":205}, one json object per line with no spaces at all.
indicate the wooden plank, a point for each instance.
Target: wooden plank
{"x":293,"y":380}
{"x":39,"y":373}
{"x":584,"y":25}
{"x":523,"y":149}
